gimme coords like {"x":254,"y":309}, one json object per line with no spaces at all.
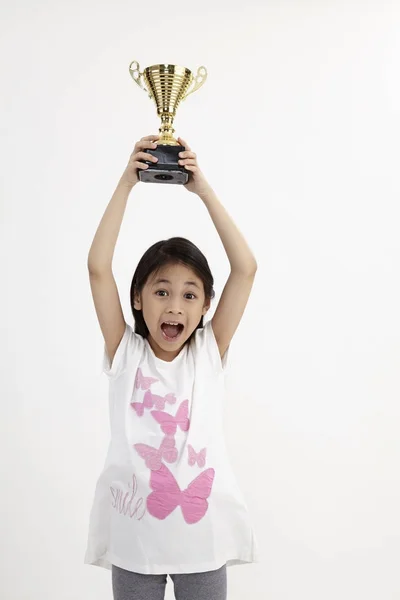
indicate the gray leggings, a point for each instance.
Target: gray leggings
{"x":211,"y":585}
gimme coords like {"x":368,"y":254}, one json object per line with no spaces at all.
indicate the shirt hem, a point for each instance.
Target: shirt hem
{"x":108,"y":559}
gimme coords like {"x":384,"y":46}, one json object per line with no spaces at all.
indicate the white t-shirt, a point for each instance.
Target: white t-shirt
{"x":167,"y":500}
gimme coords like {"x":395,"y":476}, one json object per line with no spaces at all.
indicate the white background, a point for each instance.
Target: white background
{"x":297,"y":129}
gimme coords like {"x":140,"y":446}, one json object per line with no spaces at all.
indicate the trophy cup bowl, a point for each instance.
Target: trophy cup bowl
{"x":167,"y":85}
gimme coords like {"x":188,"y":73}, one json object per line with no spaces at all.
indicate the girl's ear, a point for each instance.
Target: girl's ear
{"x":206,"y":307}
{"x":137,"y":301}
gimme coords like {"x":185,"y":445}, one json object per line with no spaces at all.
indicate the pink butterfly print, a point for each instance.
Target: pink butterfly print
{"x":158,"y":401}
{"x":199,"y":457}
{"x":139,"y":407}
{"x":169,"y":423}
{"x":153,"y":457}
{"x":143,"y":382}
{"x":167,"y":495}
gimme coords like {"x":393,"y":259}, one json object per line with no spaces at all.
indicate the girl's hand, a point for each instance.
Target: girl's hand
{"x":130,"y":175}
{"x":197,"y":183}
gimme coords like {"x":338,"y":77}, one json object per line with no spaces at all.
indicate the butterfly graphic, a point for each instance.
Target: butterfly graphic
{"x":199,"y":457}
{"x":158,"y":401}
{"x":149,"y":400}
{"x":167,"y":495}
{"x":139,"y":407}
{"x":169,"y":423}
{"x":143,"y":382}
{"x":153,"y":457}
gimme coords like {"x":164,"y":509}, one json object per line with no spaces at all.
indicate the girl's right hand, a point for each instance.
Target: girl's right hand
{"x":139,"y":154}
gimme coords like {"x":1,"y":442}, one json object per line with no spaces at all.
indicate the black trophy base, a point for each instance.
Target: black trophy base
{"x":167,"y":169}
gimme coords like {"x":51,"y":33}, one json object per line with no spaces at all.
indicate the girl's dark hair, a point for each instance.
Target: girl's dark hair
{"x":175,"y":250}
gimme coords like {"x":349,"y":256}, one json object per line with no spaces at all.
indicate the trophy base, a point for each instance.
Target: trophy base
{"x":167,"y":169}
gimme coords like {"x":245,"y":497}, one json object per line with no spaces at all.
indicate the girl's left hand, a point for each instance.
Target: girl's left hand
{"x":196,"y":183}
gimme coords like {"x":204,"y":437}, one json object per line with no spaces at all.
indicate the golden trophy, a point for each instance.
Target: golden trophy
{"x":167,"y":85}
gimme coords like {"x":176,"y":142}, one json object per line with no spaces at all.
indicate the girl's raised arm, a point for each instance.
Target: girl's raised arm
{"x":104,"y":290}
{"x":102,"y":249}
{"x":237,"y":289}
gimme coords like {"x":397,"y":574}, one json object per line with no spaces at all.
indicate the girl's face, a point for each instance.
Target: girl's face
{"x":178,"y":297}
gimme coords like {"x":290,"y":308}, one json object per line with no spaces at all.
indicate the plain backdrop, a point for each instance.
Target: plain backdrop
{"x":297,"y":129}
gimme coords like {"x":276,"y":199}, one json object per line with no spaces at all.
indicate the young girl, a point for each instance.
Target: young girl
{"x":167,"y":501}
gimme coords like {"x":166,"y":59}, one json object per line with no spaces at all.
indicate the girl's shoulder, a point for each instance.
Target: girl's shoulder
{"x":129,"y":348}
{"x":205,"y":348}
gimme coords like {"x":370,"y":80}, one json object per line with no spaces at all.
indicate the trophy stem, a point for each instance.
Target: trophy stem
{"x":166,"y":130}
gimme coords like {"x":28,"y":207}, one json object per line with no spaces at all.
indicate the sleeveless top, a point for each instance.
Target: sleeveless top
{"x":167,"y":500}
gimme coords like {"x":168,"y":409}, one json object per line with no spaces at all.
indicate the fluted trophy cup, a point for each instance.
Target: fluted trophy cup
{"x":168,"y":85}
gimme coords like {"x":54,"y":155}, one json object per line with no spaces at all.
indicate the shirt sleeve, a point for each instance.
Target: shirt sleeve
{"x":127,"y":347}
{"x":206,"y":346}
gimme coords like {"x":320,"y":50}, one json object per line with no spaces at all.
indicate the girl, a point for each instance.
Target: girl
{"x":167,"y":501}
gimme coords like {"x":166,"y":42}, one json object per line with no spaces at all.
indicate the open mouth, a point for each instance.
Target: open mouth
{"x":171,"y":333}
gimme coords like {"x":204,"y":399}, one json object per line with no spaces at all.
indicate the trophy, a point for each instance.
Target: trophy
{"x":167,"y":85}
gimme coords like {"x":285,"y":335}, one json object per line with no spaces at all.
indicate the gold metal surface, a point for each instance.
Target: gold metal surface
{"x":168,"y":85}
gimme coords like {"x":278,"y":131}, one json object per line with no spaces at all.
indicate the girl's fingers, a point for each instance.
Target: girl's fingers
{"x":188,"y":161}
{"x":149,"y":137}
{"x":142,"y":165}
{"x":142,"y":145}
{"x":187,"y":154}
{"x":183,"y":143}
{"x":144,"y":156}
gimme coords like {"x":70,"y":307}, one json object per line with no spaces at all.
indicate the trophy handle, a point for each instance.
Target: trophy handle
{"x":134,"y":70}
{"x":197,"y":81}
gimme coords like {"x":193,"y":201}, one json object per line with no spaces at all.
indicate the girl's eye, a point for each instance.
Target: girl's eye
{"x":190,"y":293}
